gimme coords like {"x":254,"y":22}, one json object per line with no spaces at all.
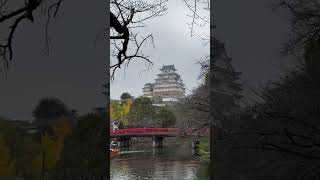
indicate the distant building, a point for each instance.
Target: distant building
{"x":25,"y":125}
{"x":168,"y":85}
{"x":113,"y":125}
{"x":148,"y":90}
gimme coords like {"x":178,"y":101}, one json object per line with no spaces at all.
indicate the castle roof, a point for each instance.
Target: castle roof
{"x":148,"y":85}
{"x":168,"y":67}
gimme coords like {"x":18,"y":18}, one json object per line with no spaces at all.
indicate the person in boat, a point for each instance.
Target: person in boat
{"x":113,"y":146}
{"x":114,"y":151}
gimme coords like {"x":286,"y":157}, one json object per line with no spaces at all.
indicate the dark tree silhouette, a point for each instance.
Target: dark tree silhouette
{"x":50,"y":108}
{"x":304,"y":22}
{"x":125,"y":96}
{"x":281,"y":131}
{"x":312,"y":63}
{"x":84,"y":155}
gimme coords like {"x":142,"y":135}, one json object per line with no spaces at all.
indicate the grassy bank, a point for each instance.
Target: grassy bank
{"x":204,"y":150}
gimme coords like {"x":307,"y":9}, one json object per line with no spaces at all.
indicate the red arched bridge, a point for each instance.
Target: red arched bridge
{"x":157,"y":134}
{"x":162,"y":132}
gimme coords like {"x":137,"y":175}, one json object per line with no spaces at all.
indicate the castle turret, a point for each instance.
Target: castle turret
{"x":148,"y":89}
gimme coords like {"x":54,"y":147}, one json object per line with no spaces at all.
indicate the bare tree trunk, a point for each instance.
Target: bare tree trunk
{"x":212,"y":142}
{"x":43,"y":164}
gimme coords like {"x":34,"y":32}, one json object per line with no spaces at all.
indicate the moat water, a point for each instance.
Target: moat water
{"x":172,"y":162}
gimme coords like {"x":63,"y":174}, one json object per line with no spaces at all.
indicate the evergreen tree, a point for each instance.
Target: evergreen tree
{"x":50,"y":108}
{"x":84,"y":156}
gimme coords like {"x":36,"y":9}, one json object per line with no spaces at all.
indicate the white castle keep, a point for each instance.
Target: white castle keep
{"x":168,"y":85}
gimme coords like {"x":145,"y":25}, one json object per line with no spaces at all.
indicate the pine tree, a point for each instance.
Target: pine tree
{"x":224,"y":87}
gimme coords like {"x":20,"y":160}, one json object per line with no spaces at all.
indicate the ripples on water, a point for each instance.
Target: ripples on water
{"x":169,"y":163}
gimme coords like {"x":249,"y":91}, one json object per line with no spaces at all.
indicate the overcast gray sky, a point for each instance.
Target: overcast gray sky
{"x":173,"y":45}
{"x":73,"y":71}
{"x":252,"y":32}
{"x":75,"y":68}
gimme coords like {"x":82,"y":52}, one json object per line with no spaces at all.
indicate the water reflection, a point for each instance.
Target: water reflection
{"x":169,"y":163}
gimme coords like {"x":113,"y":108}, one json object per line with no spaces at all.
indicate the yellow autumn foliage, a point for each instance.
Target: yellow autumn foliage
{"x":119,"y":111}
{"x":51,"y":147}
{"x":7,"y":164}
{"x":125,"y":110}
{"x":126,"y":106}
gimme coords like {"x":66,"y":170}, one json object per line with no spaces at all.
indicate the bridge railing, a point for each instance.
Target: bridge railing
{"x":154,"y":131}
{"x":145,"y":131}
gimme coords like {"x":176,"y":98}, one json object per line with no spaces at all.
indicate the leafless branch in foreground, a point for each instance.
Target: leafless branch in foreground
{"x":200,"y":14}
{"x":125,"y":17}
{"x":15,"y":18}
{"x":304,"y":22}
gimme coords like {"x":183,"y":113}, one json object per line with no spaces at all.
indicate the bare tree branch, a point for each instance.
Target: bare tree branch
{"x":123,"y":15}
{"x":304,"y":22}
{"x":200,"y":13}
{"x":15,"y":18}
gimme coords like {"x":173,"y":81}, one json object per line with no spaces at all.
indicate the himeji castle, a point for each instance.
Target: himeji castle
{"x":168,"y":85}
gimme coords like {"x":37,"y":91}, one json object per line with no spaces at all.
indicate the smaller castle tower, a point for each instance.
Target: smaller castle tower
{"x":148,"y":89}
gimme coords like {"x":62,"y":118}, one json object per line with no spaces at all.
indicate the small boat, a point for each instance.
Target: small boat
{"x":114,"y":153}
{"x":114,"y":150}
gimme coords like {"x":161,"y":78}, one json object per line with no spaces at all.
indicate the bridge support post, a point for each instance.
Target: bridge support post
{"x":125,"y":143}
{"x":157,"y":142}
{"x":195,"y":144}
